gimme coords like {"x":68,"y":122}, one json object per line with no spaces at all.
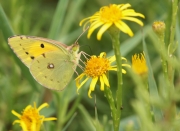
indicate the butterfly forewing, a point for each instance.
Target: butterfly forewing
{"x":27,"y":48}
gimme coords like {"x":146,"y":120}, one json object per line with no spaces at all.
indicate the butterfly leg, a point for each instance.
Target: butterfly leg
{"x":84,"y":54}
{"x":75,"y":71}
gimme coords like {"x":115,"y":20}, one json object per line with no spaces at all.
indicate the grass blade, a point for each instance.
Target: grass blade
{"x":58,"y":19}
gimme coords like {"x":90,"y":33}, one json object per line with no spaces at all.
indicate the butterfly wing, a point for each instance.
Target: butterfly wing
{"x":27,"y":48}
{"x":53,"y":70}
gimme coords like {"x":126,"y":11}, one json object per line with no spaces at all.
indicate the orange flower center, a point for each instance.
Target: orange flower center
{"x":110,"y":14}
{"x":97,"y":66}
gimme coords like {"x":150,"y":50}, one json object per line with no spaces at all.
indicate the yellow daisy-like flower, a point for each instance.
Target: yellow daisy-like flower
{"x":139,"y":64}
{"x":31,"y":120}
{"x":97,"y":68}
{"x":112,"y":15}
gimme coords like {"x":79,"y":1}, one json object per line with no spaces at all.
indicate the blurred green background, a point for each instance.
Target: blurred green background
{"x":59,"y":20}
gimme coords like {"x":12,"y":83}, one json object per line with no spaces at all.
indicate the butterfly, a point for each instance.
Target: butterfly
{"x":50,"y":62}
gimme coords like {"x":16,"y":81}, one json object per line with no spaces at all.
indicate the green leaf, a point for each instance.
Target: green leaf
{"x":58,"y":19}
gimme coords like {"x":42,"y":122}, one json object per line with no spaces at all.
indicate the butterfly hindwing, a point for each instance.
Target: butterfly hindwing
{"x":52,"y":73}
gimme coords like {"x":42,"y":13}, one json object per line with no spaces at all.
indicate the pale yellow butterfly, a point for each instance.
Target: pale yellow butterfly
{"x":50,"y":62}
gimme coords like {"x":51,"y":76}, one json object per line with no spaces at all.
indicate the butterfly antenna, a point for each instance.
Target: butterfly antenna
{"x":82,"y":34}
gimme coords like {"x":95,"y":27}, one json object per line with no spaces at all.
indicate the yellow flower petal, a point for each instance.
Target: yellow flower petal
{"x":92,"y":86}
{"x":16,"y":114}
{"x":42,"y":106}
{"x":134,"y":19}
{"x":50,"y":119}
{"x":102,"y":83}
{"x":124,"y":28}
{"x":16,"y":121}
{"x":120,"y":5}
{"x":28,"y":107}
{"x":78,"y":80}
{"x":82,"y":83}
{"x":105,"y":80}
{"x":113,"y":69}
{"x":93,"y":83}
{"x":82,"y":21}
{"x":123,"y":71}
{"x":126,"y":65}
{"x":92,"y":28}
{"x":122,"y":58}
{"x":102,"y":55}
{"x":103,"y":29}
{"x":131,"y":13}
{"x":33,"y":126}
{"x":24,"y":126}
{"x":125,"y":6}
{"x":112,"y":59}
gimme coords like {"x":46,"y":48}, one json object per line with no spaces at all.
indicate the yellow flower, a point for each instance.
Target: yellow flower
{"x":139,"y":64}
{"x":31,"y":120}
{"x":111,"y":15}
{"x":97,"y":68}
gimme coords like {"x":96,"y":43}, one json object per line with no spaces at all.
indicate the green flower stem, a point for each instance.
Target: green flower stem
{"x":168,"y":75}
{"x":171,"y":49}
{"x":109,"y":96}
{"x":147,"y":102}
{"x":172,"y":44}
{"x":114,"y":32}
{"x":73,"y":108}
{"x":164,"y":56}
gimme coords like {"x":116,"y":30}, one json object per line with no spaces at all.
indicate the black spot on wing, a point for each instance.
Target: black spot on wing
{"x":43,"y":55}
{"x":42,"y":45}
{"x":27,"y":53}
{"x":32,"y":57}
